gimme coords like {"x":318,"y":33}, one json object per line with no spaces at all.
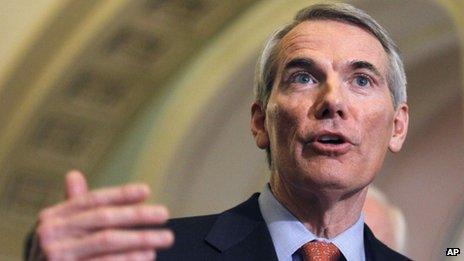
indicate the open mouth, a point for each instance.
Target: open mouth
{"x":331,"y":139}
{"x":330,"y":144}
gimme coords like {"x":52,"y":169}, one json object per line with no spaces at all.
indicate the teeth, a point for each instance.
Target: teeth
{"x":328,"y":138}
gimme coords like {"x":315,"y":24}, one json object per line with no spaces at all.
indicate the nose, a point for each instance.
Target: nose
{"x":331,"y":102}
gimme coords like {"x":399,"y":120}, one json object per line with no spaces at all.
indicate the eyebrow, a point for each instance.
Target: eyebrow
{"x":299,"y":63}
{"x":365,"y":65}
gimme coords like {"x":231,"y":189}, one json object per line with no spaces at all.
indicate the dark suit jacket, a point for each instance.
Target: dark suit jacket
{"x":241,"y":233}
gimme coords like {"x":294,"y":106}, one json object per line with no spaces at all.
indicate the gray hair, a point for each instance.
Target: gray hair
{"x":266,"y":68}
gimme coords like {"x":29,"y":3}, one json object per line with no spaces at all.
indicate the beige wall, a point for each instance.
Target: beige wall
{"x":20,"y":22}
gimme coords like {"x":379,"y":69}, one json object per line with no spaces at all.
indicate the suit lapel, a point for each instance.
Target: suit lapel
{"x":375,"y":250}
{"x":369,"y":249}
{"x":241,"y":233}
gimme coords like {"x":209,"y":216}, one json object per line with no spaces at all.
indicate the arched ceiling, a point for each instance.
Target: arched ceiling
{"x":89,"y":72}
{"x":77,"y":85}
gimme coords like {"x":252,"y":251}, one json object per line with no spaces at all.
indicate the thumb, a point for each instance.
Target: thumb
{"x":76,"y":184}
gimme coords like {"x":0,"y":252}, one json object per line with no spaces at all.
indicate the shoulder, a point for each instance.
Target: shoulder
{"x":378,"y":250}
{"x":191,"y":230}
{"x":206,"y":237}
{"x":189,"y":239}
{"x":192,"y":223}
{"x":200,"y":226}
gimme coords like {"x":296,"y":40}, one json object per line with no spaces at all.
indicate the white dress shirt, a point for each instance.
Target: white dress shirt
{"x":289,"y":234}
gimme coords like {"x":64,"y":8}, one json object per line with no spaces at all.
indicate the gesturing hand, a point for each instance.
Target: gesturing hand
{"x":104,"y":224}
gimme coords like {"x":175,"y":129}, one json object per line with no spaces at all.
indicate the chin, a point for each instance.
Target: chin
{"x":330,"y":176}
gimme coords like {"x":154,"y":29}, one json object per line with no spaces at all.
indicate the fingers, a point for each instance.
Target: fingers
{"x":122,"y":217}
{"x":110,"y":242}
{"x":75,"y":183}
{"x":132,"y":256}
{"x":128,"y":194}
{"x":104,"y":224}
{"x":103,"y":218}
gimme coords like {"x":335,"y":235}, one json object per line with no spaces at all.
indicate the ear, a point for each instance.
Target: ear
{"x":258,"y":125}
{"x":400,"y":128}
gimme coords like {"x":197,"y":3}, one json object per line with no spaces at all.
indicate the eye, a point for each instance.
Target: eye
{"x":302,"y":78}
{"x":362,"y":80}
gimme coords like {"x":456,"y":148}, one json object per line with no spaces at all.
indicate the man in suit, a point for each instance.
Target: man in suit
{"x":330,"y":102}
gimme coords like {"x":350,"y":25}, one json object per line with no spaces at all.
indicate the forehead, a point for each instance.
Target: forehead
{"x":332,"y":43}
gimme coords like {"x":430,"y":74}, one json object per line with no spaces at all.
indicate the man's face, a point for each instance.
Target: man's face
{"x":330,"y":118}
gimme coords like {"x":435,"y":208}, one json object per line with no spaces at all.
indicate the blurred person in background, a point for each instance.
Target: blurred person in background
{"x":386,"y":220}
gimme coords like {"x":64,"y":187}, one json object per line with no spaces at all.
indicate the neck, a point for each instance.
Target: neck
{"x":325,"y":213}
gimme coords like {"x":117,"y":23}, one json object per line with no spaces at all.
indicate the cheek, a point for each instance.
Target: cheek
{"x":283,"y":121}
{"x":376,"y":136}
{"x":381,"y":124}
{"x":280,"y":124}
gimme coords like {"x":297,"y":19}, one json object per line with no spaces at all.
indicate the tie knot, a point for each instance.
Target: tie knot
{"x":320,"y":251}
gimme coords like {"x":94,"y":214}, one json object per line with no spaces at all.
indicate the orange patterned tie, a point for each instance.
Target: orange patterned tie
{"x":319,"y":251}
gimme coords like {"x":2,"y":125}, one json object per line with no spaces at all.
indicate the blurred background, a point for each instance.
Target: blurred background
{"x":159,"y":91}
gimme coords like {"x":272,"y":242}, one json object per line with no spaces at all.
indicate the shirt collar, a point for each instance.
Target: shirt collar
{"x":289,"y":234}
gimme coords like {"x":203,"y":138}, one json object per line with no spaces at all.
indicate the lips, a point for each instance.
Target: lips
{"x":329,"y":143}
